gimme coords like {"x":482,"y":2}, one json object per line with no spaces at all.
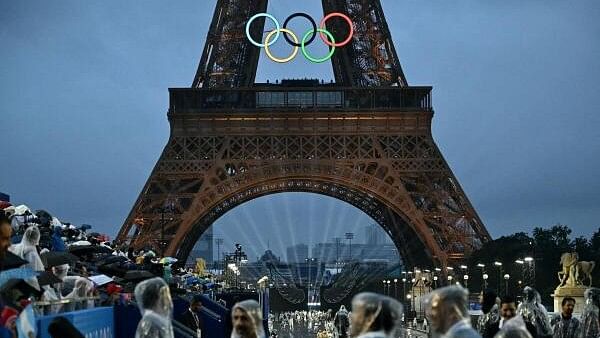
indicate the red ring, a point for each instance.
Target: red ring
{"x":348,"y":20}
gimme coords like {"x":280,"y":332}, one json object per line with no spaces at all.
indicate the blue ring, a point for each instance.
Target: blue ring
{"x":266,"y":15}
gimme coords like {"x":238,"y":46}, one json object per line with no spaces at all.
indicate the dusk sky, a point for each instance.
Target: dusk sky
{"x":83,"y":101}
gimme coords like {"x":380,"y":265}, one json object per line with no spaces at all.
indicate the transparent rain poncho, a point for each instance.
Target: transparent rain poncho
{"x":490,"y":310}
{"x":27,"y":250}
{"x":448,"y":312}
{"x":590,"y":319}
{"x":534,"y":312}
{"x":254,"y":311}
{"x":381,"y":315}
{"x":83,"y":288}
{"x":514,"y":328}
{"x":154,"y":300}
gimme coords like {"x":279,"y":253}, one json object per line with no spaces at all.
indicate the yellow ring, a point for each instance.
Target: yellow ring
{"x":268,"y":51}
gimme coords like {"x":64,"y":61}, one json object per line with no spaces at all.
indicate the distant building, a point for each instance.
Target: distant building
{"x":203,"y":248}
{"x":329,"y":252}
{"x":297,"y":253}
{"x":375,"y":235}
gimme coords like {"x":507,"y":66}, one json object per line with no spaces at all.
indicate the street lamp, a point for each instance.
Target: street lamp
{"x":506,"y":278}
{"x":499,"y":266}
{"x":435,"y":279}
{"x":485,"y":278}
{"x":530,"y":269}
{"x":466,"y":278}
{"x":396,"y":288}
{"x":219,"y":242}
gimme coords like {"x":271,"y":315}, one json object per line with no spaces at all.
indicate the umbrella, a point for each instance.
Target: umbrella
{"x":55,"y":258}
{"x":11,"y":261}
{"x":168,"y":260}
{"x":138,"y":275}
{"x":19,"y":284}
{"x":81,"y":243}
{"x":22,"y":209}
{"x":88,"y":249}
{"x":47,"y":278}
{"x":85,"y":227}
{"x":114,"y":259}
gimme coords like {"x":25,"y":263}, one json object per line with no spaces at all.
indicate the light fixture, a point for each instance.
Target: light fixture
{"x":519,"y":261}
{"x":528,"y":259}
{"x":496,"y":263}
{"x":480,"y":265}
{"x":485,"y":276}
{"x":466,"y":277}
{"x":506,"y":276}
{"x":464,"y":267}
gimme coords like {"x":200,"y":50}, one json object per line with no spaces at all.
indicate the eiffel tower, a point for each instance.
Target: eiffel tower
{"x":365,"y":139}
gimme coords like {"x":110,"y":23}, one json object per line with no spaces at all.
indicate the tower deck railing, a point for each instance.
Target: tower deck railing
{"x":299,"y":99}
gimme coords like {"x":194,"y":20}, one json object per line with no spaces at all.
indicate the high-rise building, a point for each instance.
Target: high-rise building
{"x":203,"y":248}
{"x":375,"y":235}
{"x":297,"y":253}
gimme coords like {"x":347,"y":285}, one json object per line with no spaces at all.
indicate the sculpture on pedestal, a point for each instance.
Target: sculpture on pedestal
{"x":574,"y":272}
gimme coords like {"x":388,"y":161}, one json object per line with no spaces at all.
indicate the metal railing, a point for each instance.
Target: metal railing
{"x":51,"y":307}
{"x":281,"y":99}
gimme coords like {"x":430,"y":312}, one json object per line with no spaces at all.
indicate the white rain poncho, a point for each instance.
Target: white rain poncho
{"x":534,"y":312}
{"x":590,"y":319}
{"x":253,"y":310}
{"x":154,"y":300}
{"x":83,"y":288}
{"x":341,"y":321}
{"x":514,"y":328}
{"x":375,"y":316}
{"x":27,"y":249}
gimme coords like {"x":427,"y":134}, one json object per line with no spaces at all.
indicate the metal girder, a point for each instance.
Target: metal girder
{"x":229,"y":59}
{"x":370,"y":58}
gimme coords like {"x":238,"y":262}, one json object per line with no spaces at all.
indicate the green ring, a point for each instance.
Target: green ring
{"x":305,"y":53}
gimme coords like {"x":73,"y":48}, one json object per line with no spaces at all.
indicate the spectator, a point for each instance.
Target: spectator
{"x":489,"y":307}
{"x":590,"y":320}
{"x":508,"y":311}
{"x":154,"y":300}
{"x":5,"y":234}
{"x":27,"y":248}
{"x":448,"y":312}
{"x":247,"y":320}
{"x":564,"y":324}
{"x":535,"y":313}
{"x":374,"y":316}
{"x":191,"y":317}
{"x":341,"y":322}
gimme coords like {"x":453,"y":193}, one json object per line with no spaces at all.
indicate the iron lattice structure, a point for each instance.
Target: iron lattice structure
{"x":365,"y":140}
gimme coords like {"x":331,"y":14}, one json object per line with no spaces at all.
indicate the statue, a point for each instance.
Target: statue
{"x":572,"y":277}
{"x":569,"y":261}
{"x":584,"y":271}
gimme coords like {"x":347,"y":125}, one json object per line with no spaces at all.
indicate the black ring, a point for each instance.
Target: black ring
{"x":306,"y":16}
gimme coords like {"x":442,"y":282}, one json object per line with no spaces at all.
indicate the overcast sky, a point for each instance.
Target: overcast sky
{"x":83,"y":100}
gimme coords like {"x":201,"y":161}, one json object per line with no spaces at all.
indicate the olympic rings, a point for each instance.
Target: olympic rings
{"x":266,"y":15}
{"x":268,"y":51}
{"x":307,"y":39}
{"x":331,"y":50}
{"x":348,"y":20}
{"x":307,"y":17}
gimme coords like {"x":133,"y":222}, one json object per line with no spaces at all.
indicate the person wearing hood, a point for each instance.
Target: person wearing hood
{"x":447,"y":311}
{"x":57,"y":242}
{"x":514,"y":328}
{"x":535,"y":313}
{"x":247,"y":320}
{"x":341,"y":322}
{"x":374,"y":316}
{"x":27,"y":248}
{"x":154,"y":300}
{"x":590,"y":320}
{"x":489,"y":307}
